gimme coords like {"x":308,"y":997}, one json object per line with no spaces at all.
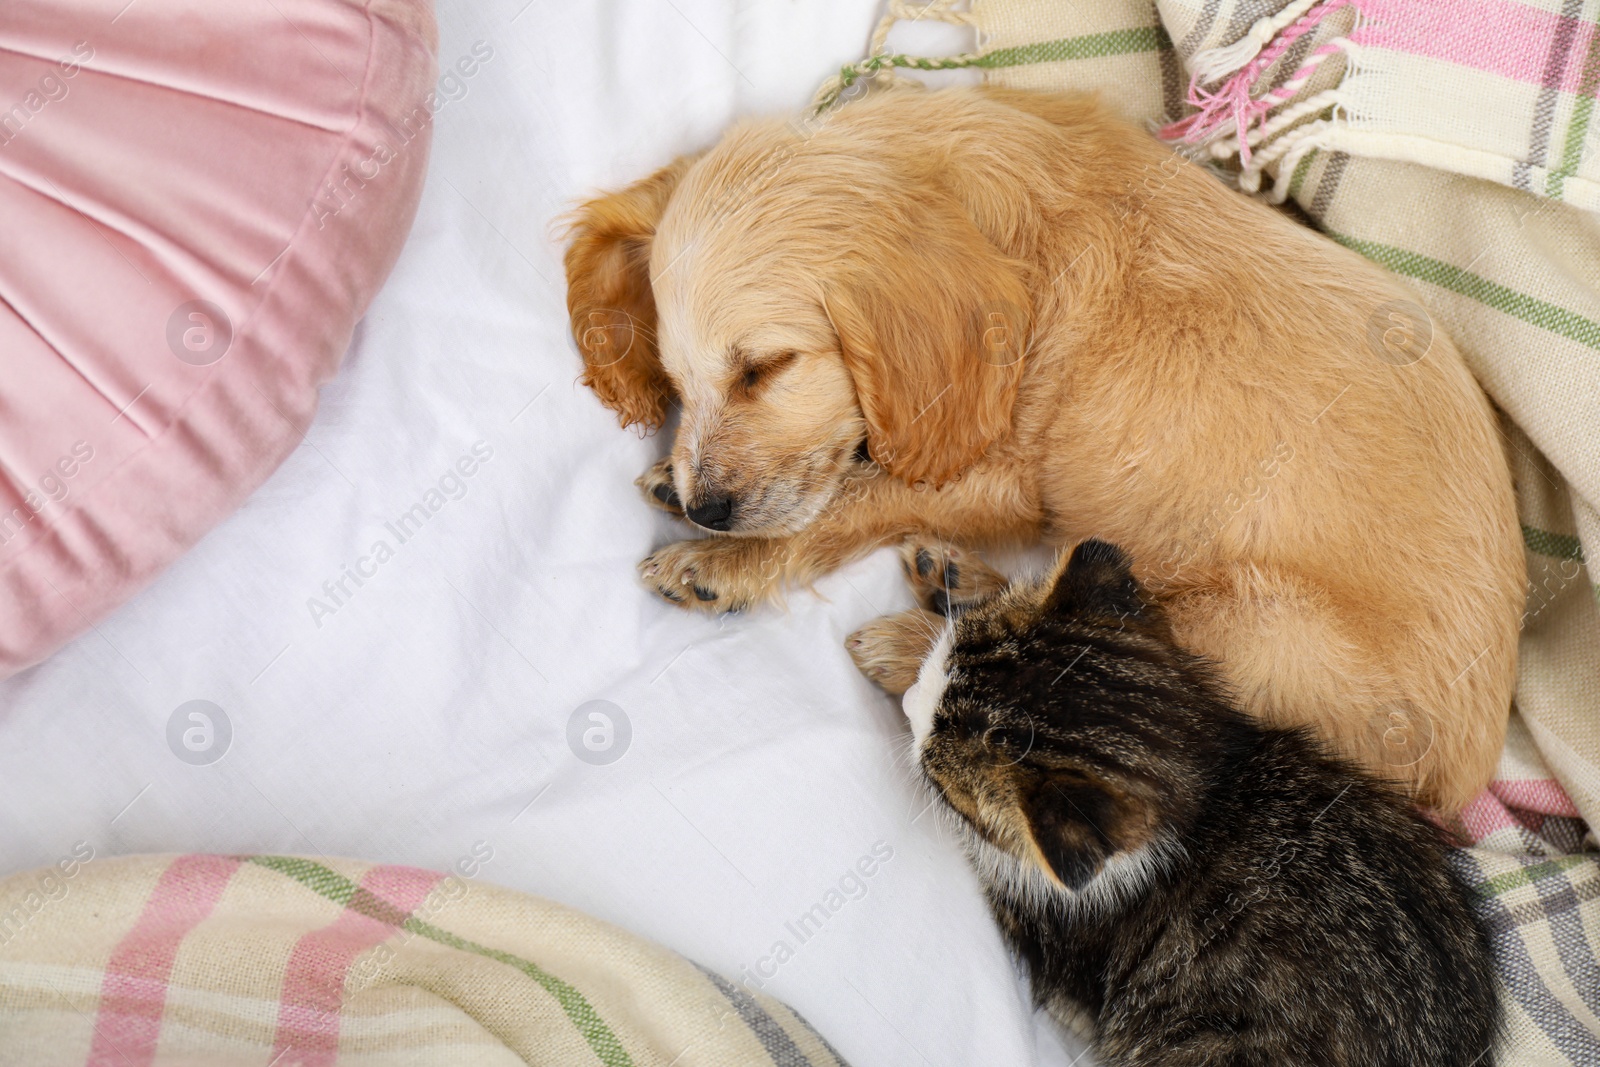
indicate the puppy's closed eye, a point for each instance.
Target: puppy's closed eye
{"x":758,"y":371}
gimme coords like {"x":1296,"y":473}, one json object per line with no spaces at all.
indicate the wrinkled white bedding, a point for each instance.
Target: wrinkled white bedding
{"x":403,"y":705}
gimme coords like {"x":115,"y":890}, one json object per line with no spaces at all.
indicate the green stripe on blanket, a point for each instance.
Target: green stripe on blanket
{"x":1578,"y":128}
{"x":1540,"y":313}
{"x":585,"y":1018}
{"x":1090,"y":46}
{"x":342,"y":891}
{"x":1556,"y":546}
{"x":1503,"y":883}
{"x":1300,"y":173}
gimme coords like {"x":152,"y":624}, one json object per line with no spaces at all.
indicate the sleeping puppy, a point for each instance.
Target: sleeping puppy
{"x":980,"y":317}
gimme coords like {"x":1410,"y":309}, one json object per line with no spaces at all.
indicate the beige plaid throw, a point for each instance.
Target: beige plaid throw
{"x":1451,"y":141}
{"x":282,"y":961}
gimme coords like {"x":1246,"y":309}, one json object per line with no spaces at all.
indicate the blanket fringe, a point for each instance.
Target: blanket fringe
{"x":1231,"y":106}
{"x":1216,"y":63}
{"x":1296,"y":146}
{"x":1229,"y":145}
{"x":883,"y":66}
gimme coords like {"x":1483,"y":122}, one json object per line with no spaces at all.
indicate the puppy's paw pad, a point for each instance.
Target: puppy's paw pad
{"x":945,"y":577}
{"x":698,"y":575}
{"x":889,"y":651}
{"x":658,"y":488}
{"x":873,"y":649}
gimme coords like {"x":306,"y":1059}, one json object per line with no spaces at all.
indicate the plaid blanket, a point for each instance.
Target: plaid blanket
{"x":278,"y":961}
{"x":1453,"y":142}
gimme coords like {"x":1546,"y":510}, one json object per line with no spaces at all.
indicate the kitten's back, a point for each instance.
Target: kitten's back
{"x":1315,"y":922}
{"x":1208,"y":890}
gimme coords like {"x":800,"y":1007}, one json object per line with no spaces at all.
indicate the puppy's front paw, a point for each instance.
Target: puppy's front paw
{"x":658,"y":489}
{"x":890,"y":650}
{"x":715,"y":574}
{"x":945,"y":578}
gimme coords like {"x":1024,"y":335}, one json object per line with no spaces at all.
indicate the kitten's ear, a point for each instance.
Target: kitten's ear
{"x":1065,"y":818}
{"x":1098,"y":580}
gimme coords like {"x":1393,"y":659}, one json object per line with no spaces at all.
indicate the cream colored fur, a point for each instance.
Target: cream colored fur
{"x":1048,"y":327}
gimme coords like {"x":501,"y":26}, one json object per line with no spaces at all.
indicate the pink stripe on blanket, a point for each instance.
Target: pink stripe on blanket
{"x":314,"y":981}
{"x":1485,"y":815}
{"x":133,"y":994}
{"x":1516,"y":804}
{"x":1296,"y":81}
{"x":1498,"y":36}
{"x":1543,"y":795}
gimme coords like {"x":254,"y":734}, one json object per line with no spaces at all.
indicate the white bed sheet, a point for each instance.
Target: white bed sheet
{"x":429,"y":710}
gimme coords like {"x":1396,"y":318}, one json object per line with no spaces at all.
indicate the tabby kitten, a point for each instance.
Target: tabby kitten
{"x":1202,"y":889}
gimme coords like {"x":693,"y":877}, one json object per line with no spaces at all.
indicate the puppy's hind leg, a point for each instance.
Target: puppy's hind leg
{"x":1297,"y":654}
{"x":945,"y":578}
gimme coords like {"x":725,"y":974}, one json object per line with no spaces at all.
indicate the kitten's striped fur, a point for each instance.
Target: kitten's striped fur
{"x":1202,"y":889}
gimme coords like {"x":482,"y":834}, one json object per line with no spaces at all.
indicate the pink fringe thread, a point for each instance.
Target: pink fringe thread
{"x":1232,"y":102}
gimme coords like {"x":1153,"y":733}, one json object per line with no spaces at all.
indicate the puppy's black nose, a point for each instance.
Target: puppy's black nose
{"x":713,"y":513}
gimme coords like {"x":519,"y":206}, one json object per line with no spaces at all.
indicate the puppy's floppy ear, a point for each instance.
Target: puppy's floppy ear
{"x":933,"y":324}
{"x":609,"y":300}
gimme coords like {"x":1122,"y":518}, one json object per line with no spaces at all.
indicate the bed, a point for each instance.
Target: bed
{"x":496,"y":679}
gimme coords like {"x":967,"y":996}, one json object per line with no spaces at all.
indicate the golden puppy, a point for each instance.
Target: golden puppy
{"x":1042,"y":324}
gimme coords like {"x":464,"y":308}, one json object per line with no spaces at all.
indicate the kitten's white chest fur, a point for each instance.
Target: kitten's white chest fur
{"x":922,"y":699}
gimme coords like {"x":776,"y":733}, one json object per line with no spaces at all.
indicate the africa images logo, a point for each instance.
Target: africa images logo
{"x":599,"y":732}
{"x":450,"y":486}
{"x":344,"y":188}
{"x":49,"y":487}
{"x":51,"y":88}
{"x":199,"y":732}
{"x":852,"y":885}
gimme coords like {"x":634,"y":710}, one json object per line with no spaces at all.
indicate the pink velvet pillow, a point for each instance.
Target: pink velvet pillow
{"x":198,"y":199}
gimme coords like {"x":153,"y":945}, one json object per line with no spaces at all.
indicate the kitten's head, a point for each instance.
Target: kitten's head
{"x":1064,"y":727}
